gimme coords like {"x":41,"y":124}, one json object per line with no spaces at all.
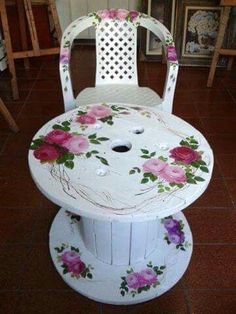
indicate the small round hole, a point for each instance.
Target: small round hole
{"x":121,"y":146}
{"x":138,"y":130}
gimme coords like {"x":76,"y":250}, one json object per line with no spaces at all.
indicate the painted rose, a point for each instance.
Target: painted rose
{"x":112,"y":13}
{"x":76,"y":268}
{"x":133,"y":280}
{"x":184,"y":154}
{"x":46,"y":152}
{"x":171,"y":224}
{"x":70,"y":257}
{"x":57,"y":137}
{"x":76,"y":144}
{"x":133,"y":15}
{"x":122,"y":14}
{"x":154,"y":165}
{"x":103,"y":14}
{"x":173,"y":174}
{"x":176,"y":237}
{"x":64,"y":56}
{"x":100,"y":111}
{"x":86,"y":119}
{"x":171,"y":53}
{"x":149,"y":276}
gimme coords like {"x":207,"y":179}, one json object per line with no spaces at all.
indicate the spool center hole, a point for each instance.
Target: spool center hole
{"x":121,"y":146}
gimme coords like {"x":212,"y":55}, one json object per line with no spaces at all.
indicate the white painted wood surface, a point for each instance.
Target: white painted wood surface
{"x":69,"y":10}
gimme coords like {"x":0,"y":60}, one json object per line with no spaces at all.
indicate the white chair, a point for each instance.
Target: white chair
{"x":116,"y":60}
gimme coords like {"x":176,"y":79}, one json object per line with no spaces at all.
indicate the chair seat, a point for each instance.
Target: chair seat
{"x":129,"y":94}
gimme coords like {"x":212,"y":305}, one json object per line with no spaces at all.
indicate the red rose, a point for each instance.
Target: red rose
{"x":184,"y":154}
{"x":46,"y":152}
{"x":57,"y":137}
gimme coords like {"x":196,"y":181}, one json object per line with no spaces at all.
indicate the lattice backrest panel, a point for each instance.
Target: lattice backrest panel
{"x":116,"y":44}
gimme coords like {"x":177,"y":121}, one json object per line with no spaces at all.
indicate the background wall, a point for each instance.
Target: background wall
{"x":71,"y":9}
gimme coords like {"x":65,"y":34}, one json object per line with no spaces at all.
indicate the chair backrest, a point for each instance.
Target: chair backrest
{"x":116,"y":46}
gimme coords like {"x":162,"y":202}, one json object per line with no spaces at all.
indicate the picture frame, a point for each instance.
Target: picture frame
{"x":163,"y":11}
{"x":197,"y":25}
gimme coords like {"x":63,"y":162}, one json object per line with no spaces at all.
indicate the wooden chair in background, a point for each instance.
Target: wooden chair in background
{"x":24,"y":8}
{"x":220,"y":37}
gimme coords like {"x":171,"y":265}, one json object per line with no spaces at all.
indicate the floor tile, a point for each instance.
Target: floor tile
{"x":222,"y":143}
{"x":8,"y":302}
{"x":212,"y":225}
{"x":170,"y":302}
{"x":54,"y":302}
{"x":213,"y":302}
{"x":19,"y":166}
{"x":184,"y":110}
{"x":212,"y":198}
{"x":47,"y":110}
{"x":15,"y":193}
{"x":231,"y":185}
{"x":227,"y":164}
{"x":199,"y":96}
{"x":44,"y":277}
{"x":12,"y":261}
{"x":17,"y":225}
{"x":216,"y":110}
{"x":46,"y":95}
{"x":212,"y":267}
{"x":219,"y":125}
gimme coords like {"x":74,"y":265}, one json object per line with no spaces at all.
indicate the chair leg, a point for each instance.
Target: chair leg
{"x":10,"y":59}
{"x":8,"y":117}
{"x":22,"y":24}
{"x":219,"y":42}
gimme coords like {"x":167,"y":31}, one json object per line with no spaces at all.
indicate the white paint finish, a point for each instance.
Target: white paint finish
{"x":152,"y":235}
{"x":102,"y":232}
{"x":139,"y":232}
{"x":87,"y":232}
{"x":106,"y":281}
{"x":120,"y":243}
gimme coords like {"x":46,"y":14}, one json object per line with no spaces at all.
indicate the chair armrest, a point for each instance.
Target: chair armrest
{"x":70,"y":33}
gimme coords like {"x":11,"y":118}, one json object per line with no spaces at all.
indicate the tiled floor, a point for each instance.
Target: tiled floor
{"x":29,"y":282}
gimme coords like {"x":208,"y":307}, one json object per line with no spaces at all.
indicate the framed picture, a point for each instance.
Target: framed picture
{"x":164,"y":12}
{"x":197,"y":26}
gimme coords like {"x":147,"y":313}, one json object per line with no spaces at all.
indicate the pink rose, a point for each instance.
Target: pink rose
{"x":173,"y":174}
{"x":76,"y":144}
{"x":103,"y":14}
{"x":86,"y":119}
{"x":64,"y":56}
{"x":70,"y":257}
{"x":133,"y":15}
{"x":149,"y":276}
{"x":100,"y":111}
{"x":46,"y":152}
{"x":77,"y":268}
{"x":112,"y":13}
{"x":154,"y":165}
{"x":133,"y":280}
{"x":171,"y":53}
{"x":184,"y":154}
{"x":57,"y":137}
{"x":122,"y":14}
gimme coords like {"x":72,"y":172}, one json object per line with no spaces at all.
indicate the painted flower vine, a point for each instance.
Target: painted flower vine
{"x":174,"y":171}
{"x":116,"y":14}
{"x":137,"y":282}
{"x":70,"y":259}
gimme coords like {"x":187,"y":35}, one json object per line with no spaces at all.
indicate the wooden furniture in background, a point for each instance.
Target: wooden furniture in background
{"x":8,"y":117}
{"x":218,"y":47}
{"x":24,"y":7}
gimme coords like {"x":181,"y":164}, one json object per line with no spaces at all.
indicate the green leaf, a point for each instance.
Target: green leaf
{"x":144,"y":151}
{"x":184,"y":143}
{"x":201,"y":162}
{"x":102,"y":138}
{"x":94,"y":142}
{"x":147,"y":174}
{"x":74,"y":249}
{"x":88,"y":154}
{"x":199,"y":179}
{"x":195,"y":164}
{"x":138,"y":170}
{"x":152,"y":154}
{"x":110,"y":122}
{"x":92,"y":136}
{"x":145,"y":156}
{"x":61,"y":159}
{"x":65,"y":123}
{"x":161,"y":190}
{"x":59,"y":249}
{"x":162,"y":267}
{"x":191,"y":181}
{"x":122,"y":293}
{"x":89,"y":275}
{"x":57,"y":127}
{"x":162,"y":158}
{"x":204,"y":169}
{"x":132,"y":172}
{"x":79,"y":113}
{"x":103,"y":160}
{"x":167,"y":188}
{"x":144,"y":180}
{"x":65,"y":271}
{"x":94,"y":152}
{"x":69,"y":164}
